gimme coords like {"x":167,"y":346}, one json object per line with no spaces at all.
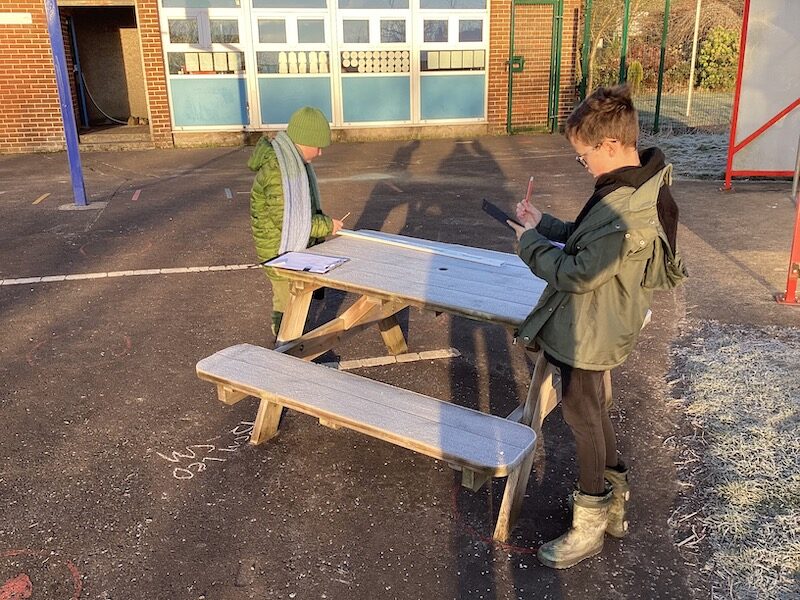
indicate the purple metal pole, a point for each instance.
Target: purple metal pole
{"x":65,"y":97}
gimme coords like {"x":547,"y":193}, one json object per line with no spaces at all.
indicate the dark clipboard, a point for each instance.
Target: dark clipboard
{"x":498,"y":214}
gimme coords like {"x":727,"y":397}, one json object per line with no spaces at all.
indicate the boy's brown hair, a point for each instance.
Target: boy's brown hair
{"x":607,"y":114}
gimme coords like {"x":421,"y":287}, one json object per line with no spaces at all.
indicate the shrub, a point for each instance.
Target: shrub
{"x":718,"y":59}
{"x":635,"y":76}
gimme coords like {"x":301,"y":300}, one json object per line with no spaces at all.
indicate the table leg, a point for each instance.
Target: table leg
{"x":516,"y":484}
{"x":267,"y":421}
{"x":294,"y":319}
{"x":542,"y":395}
{"x":392,"y":335}
{"x":362,"y":313}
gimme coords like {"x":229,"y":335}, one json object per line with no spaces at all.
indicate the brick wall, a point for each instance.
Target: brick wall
{"x":30,"y":118}
{"x":532,"y":39}
{"x":154,"y":72}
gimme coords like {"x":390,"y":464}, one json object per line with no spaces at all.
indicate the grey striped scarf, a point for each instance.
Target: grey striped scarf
{"x":296,"y":227}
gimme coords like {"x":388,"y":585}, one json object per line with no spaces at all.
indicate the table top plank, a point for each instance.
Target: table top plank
{"x":421,"y":423}
{"x":503,"y":291}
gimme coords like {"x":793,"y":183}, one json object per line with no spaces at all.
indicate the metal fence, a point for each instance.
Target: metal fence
{"x":679,"y":56}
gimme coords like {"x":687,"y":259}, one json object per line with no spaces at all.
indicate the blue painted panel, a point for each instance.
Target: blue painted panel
{"x":213,"y":101}
{"x":453,"y":96}
{"x":369,"y":99}
{"x":281,"y":96}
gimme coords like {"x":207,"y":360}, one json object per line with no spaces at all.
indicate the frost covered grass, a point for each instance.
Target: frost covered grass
{"x":695,"y":155}
{"x":742,"y":391}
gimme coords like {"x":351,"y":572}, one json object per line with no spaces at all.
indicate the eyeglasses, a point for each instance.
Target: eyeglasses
{"x":581,"y":158}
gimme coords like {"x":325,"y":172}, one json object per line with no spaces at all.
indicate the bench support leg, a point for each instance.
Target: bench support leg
{"x":267,"y":420}
{"x":516,"y":485}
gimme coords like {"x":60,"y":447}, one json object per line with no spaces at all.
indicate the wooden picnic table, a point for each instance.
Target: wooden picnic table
{"x":391,"y":272}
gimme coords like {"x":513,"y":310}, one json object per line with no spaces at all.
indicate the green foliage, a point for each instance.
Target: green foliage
{"x":635,"y":76}
{"x":718,"y":59}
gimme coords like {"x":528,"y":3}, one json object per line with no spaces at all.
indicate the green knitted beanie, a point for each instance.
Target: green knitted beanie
{"x":309,"y":127}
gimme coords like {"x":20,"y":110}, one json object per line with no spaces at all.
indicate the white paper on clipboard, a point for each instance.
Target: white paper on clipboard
{"x":305,"y":261}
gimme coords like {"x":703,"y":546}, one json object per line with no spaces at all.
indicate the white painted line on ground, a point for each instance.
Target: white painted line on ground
{"x":111,"y":274}
{"x":381,"y":361}
{"x":228,"y":194}
{"x":136,"y":195}
{"x":40,"y":198}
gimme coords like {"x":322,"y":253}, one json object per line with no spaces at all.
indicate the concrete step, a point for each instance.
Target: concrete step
{"x":111,"y":146}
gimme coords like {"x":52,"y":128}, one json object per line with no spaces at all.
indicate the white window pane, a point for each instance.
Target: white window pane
{"x":435,"y":31}
{"x":356,"y":32}
{"x":272,"y":31}
{"x":183,"y":31}
{"x":289,"y":4}
{"x":224,"y":31}
{"x":373,"y":4}
{"x":470,"y":30}
{"x":311,"y":31}
{"x":393,"y":31}
{"x":452,"y":4}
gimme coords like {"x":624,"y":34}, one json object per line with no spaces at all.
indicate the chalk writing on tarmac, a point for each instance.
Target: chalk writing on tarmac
{"x":192,"y":460}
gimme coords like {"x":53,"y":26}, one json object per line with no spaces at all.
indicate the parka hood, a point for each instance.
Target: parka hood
{"x":260,"y":153}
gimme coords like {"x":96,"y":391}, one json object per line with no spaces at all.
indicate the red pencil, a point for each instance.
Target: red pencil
{"x":530,"y":190}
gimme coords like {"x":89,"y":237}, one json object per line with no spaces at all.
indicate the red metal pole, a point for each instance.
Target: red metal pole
{"x":737,"y":94}
{"x":790,"y":296}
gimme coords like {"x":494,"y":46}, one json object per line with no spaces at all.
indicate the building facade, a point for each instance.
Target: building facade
{"x":200,"y":71}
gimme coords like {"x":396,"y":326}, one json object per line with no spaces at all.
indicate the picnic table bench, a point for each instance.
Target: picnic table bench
{"x":480,"y":445}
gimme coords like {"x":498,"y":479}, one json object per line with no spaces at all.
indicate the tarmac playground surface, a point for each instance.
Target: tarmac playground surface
{"x":123,"y":477}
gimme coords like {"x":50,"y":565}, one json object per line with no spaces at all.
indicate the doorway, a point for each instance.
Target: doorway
{"x":535,"y":57}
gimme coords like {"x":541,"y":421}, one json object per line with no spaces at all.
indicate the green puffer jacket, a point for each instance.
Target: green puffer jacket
{"x":266,"y":203}
{"x":600,"y":286}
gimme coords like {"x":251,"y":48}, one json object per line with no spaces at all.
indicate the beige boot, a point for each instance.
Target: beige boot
{"x":585,"y":537}
{"x":618,"y":478}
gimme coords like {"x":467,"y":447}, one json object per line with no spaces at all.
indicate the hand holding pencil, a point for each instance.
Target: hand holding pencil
{"x":527,"y":213}
{"x":339,"y":223}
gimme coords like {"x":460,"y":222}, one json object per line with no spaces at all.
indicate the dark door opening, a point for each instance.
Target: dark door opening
{"x":108,"y":71}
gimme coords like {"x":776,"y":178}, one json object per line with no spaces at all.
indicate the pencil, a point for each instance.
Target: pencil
{"x":530,"y":190}
{"x":344,"y":217}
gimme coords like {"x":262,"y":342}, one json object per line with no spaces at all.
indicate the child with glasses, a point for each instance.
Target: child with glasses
{"x":620,"y":247}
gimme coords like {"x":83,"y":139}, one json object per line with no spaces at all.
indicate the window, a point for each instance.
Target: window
{"x":355,"y":32}
{"x":452,"y":4}
{"x":289,"y":4}
{"x":435,"y":31}
{"x":393,"y":31}
{"x":311,"y":31}
{"x":272,"y":31}
{"x":183,"y":31}
{"x":470,"y":30}
{"x":224,"y":31}
{"x":374,"y":4}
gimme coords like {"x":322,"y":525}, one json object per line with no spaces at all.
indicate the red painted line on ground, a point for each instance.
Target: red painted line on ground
{"x":505,"y":547}
{"x":17,"y":589}
{"x":77,"y":584}
{"x":136,"y":195}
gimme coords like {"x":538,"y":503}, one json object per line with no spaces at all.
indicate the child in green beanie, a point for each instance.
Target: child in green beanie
{"x":285,"y":211}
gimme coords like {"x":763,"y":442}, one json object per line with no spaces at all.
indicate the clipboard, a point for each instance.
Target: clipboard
{"x":305,"y":261}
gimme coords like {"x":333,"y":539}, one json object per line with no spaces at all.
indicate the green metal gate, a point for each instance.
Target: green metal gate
{"x":529,"y":109}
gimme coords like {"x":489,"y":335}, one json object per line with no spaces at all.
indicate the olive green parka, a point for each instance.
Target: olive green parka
{"x":266,"y":203}
{"x":599,"y":287}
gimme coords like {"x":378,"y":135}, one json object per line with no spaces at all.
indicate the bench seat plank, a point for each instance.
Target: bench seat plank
{"x":438,"y":429}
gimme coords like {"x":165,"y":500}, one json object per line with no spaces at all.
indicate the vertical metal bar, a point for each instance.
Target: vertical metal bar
{"x":790,"y":297}
{"x":694,"y":58}
{"x":65,"y":97}
{"x":623,"y":51}
{"x":558,"y":22}
{"x":510,"y":70}
{"x":664,"y":32}
{"x":796,"y":177}
{"x":586,"y":49}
